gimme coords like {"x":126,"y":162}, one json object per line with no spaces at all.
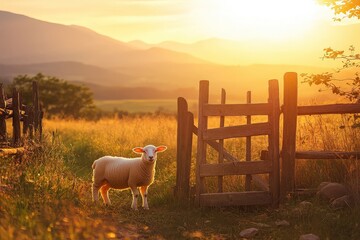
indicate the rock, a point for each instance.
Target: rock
{"x":341,"y":202}
{"x":332,"y":191}
{"x":309,"y":236}
{"x":321,"y":185}
{"x":260,"y":224}
{"x":282,"y":223}
{"x":249,"y":232}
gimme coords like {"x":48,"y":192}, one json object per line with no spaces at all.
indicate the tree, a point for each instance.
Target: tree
{"x":58,"y":97}
{"x":343,"y":8}
{"x":349,"y":86}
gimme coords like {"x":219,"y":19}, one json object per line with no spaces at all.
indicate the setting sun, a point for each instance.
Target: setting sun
{"x":279,"y":19}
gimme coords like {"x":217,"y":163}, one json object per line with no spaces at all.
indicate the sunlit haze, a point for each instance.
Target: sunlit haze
{"x":184,"y":21}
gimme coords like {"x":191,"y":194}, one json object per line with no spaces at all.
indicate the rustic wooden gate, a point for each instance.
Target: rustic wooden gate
{"x":206,"y":136}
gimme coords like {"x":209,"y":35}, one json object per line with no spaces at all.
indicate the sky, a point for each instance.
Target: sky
{"x":186,"y":21}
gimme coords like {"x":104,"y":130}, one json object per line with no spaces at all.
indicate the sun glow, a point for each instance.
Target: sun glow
{"x":262,"y":19}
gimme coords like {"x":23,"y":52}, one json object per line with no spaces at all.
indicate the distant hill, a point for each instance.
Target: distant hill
{"x":71,"y":71}
{"x":137,"y":70}
{"x":26,"y":40}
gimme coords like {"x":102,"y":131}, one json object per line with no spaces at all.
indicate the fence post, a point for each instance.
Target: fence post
{"x":274,"y":115}
{"x":221,"y":142}
{"x":3,"y":135}
{"x":184,"y":147}
{"x":16,"y":118}
{"x":201,"y":144}
{"x":37,"y":112}
{"x":289,"y":133}
{"x":248,"y":145}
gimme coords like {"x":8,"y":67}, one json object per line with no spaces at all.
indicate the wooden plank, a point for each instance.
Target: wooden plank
{"x":290,"y":112}
{"x":235,"y":199}
{"x":181,"y":145}
{"x":3,"y":134}
{"x":11,"y":151}
{"x":201,"y":144}
{"x":237,"y":131}
{"x":236,"y":109}
{"x":248,"y":144}
{"x":274,"y":151}
{"x":235,"y":168}
{"x":329,"y":109}
{"x":327,"y":155}
{"x":16,"y":118}
{"x":37,"y":111}
{"x":221,"y":142}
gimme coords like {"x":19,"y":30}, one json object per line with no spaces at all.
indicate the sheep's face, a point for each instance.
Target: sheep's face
{"x":149,"y":153}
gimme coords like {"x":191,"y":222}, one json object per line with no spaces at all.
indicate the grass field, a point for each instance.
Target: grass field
{"x":47,"y":194}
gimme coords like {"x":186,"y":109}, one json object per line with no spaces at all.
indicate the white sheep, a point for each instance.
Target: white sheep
{"x":122,"y":173}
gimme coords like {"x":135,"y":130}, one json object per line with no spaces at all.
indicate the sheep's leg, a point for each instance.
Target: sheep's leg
{"x":104,"y":190}
{"x":144,"y":193}
{"x":95,"y":191}
{"x":135,"y":194}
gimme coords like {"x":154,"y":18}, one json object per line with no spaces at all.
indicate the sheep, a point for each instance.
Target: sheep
{"x":123,"y":173}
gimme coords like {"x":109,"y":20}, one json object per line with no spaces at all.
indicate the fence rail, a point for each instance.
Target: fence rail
{"x":283,"y":183}
{"x":30,"y":115}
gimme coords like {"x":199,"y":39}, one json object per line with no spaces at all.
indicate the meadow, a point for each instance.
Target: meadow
{"x":47,"y":193}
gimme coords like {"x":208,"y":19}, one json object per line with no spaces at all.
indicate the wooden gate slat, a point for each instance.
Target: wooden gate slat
{"x":236,"y":109}
{"x":235,"y":168}
{"x":255,"y":129}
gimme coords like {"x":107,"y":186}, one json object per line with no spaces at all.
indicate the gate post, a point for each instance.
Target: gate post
{"x":16,"y":118}
{"x":3,"y":135}
{"x":289,"y":133}
{"x":201,"y":144}
{"x":184,"y":146}
{"x":274,"y":115}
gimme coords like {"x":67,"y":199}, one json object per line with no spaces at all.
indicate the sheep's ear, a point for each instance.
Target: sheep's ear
{"x":161,"y":148}
{"x":139,"y":150}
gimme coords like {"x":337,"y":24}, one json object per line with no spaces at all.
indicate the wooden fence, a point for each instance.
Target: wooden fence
{"x":30,"y":114}
{"x":215,"y":138}
{"x":281,"y":181}
{"x":291,"y":111}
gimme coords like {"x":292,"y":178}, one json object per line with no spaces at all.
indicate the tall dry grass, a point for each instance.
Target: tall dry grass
{"x":47,"y":195}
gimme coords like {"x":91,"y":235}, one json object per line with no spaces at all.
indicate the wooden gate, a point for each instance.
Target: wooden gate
{"x":206,"y":136}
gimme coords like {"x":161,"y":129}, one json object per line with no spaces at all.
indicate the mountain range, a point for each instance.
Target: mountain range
{"x":115,"y":69}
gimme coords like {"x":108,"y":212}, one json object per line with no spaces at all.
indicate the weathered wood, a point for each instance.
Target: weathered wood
{"x":235,"y":199}
{"x":3,"y":134}
{"x":181,"y":178}
{"x":37,"y":111}
{"x":255,"y":129}
{"x":236,"y":109}
{"x":201,"y":144}
{"x":221,"y":142}
{"x":235,"y":168}
{"x":289,"y":133}
{"x":16,"y":118}
{"x":329,"y":109}
{"x":11,"y":151}
{"x":327,"y":155}
{"x":274,"y":116}
{"x":248,"y":144}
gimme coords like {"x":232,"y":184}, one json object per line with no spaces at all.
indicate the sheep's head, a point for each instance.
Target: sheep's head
{"x":149,"y":152}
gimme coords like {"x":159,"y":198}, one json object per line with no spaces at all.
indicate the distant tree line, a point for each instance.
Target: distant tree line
{"x":58,"y":97}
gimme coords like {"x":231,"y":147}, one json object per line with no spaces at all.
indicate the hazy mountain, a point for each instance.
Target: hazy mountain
{"x":118,"y":70}
{"x":71,"y":71}
{"x":306,"y":50}
{"x":26,"y":40}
